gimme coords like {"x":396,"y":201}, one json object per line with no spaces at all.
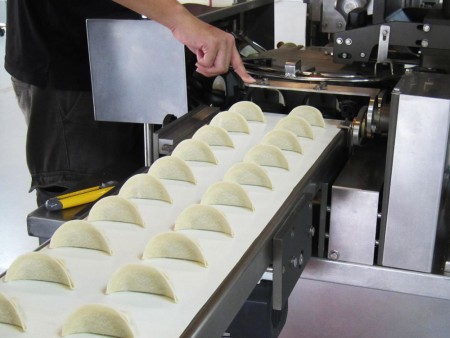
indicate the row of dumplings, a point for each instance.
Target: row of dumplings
{"x":203,"y":216}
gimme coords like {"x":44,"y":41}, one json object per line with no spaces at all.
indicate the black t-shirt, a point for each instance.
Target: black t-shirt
{"x":46,"y":42}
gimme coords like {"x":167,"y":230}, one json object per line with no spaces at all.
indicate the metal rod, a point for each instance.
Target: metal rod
{"x":148,"y":143}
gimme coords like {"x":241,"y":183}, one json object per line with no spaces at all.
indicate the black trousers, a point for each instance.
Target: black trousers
{"x":65,"y":144}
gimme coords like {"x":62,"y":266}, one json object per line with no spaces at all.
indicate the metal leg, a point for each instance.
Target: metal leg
{"x":148,"y":143}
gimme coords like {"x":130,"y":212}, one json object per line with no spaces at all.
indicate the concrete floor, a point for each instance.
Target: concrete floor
{"x":15,"y":201}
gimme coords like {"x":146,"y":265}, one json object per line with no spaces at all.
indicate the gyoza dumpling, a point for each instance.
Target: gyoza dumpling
{"x":79,"y":234}
{"x":98,"y":319}
{"x":227,"y":193}
{"x":298,"y":125}
{"x":141,"y":278}
{"x":38,"y":266}
{"x":10,"y":313}
{"x":250,"y":110}
{"x":174,"y":245}
{"x":248,"y":173}
{"x":267,"y":155}
{"x":172,"y":168}
{"x":214,"y":136}
{"x":283,"y":139}
{"x":231,"y":121}
{"x":310,"y":114}
{"x":145,"y":187}
{"x":115,"y":209}
{"x":194,"y":150}
{"x":203,"y":217}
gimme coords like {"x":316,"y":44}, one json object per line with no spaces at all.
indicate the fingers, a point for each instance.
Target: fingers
{"x":216,"y":59}
{"x":239,"y":68}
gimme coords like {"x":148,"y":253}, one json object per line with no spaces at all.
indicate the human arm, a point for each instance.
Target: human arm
{"x":214,"y":48}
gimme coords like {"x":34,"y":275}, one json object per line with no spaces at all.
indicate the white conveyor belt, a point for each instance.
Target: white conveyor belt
{"x":46,"y":306}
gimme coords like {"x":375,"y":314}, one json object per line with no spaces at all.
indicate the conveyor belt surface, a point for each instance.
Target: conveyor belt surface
{"x":46,"y":306}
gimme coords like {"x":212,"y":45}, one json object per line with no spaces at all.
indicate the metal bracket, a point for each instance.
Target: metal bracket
{"x":383,"y":49}
{"x":292,"y":68}
{"x":291,"y":250}
{"x":383,"y":43}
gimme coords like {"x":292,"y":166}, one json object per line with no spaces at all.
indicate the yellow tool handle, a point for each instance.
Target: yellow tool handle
{"x":83,"y":191}
{"x":87,"y":197}
{"x":78,"y":198}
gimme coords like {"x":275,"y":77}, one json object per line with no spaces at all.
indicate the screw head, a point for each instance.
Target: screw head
{"x":294,"y":262}
{"x":348,"y":41}
{"x":333,"y":255}
{"x":426,"y":28}
{"x":424,"y":43}
{"x":362,"y":55}
{"x":339,"y":41}
{"x":301,"y":260}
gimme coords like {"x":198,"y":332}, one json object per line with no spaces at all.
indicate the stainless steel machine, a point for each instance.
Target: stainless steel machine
{"x":361,"y":246}
{"x":381,"y":256}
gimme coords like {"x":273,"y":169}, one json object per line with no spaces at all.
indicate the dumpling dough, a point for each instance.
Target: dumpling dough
{"x":298,"y":125}
{"x":38,"y":266}
{"x":227,"y":193}
{"x":283,"y":139}
{"x":172,"y":168}
{"x":10,"y":313}
{"x":250,"y":110}
{"x":145,"y":187}
{"x":141,"y":278}
{"x":310,"y":114}
{"x":194,"y":150}
{"x":247,"y":173}
{"x":214,"y":136}
{"x":203,"y":217}
{"x":97,"y":319}
{"x":267,"y":155}
{"x":174,"y":245}
{"x":231,"y":121}
{"x":79,"y":234}
{"x":115,"y":209}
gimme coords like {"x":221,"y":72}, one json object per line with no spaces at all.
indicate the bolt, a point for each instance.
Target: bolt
{"x":339,"y":25}
{"x":300,"y":260}
{"x":294,"y":262}
{"x":339,"y":41}
{"x":363,"y":55}
{"x":333,"y":255}
{"x":426,"y":28}
{"x":344,"y":55}
{"x":348,"y":41}
{"x":385,"y":33}
{"x":424,"y":43}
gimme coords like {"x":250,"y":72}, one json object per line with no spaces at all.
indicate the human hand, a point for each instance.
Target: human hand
{"x":214,"y":48}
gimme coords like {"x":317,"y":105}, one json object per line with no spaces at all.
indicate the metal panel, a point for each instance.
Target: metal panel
{"x":335,"y":299}
{"x":354,"y":207}
{"x":138,"y":71}
{"x":353,"y":224}
{"x":417,"y":160}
